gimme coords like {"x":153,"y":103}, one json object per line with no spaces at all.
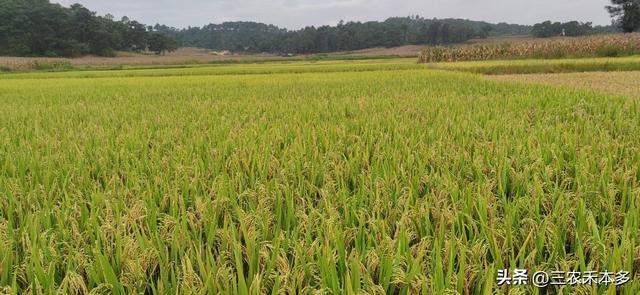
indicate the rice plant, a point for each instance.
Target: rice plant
{"x":346,"y":182}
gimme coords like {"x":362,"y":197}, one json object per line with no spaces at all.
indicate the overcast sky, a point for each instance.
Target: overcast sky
{"x":295,"y":14}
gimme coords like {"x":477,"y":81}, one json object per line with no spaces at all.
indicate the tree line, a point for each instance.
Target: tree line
{"x":397,"y":31}
{"x":625,"y":14}
{"x":571,"y":29}
{"x":40,"y":28}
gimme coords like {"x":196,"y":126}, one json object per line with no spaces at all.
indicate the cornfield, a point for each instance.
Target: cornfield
{"x":393,"y":180}
{"x":591,"y":46}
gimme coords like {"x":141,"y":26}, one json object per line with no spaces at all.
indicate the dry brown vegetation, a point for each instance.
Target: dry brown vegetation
{"x":502,"y":39}
{"x":407,"y":50}
{"x":180,"y":56}
{"x":590,"y":46}
{"x":618,"y":83}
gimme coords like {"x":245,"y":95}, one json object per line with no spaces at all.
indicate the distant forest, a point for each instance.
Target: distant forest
{"x":570,"y":29}
{"x":40,"y":28}
{"x":397,"y":31}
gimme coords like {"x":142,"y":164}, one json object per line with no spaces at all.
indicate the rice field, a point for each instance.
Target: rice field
{"x":311,"y":179}
{"x":291,"y":67}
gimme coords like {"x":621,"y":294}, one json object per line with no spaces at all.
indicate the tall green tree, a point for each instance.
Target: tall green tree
{"x":345,"y":36}
{"x":161,"y":43}
{"x":627,"y":14}
{"x":42,"y":28}
{"x":433,"y":33}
